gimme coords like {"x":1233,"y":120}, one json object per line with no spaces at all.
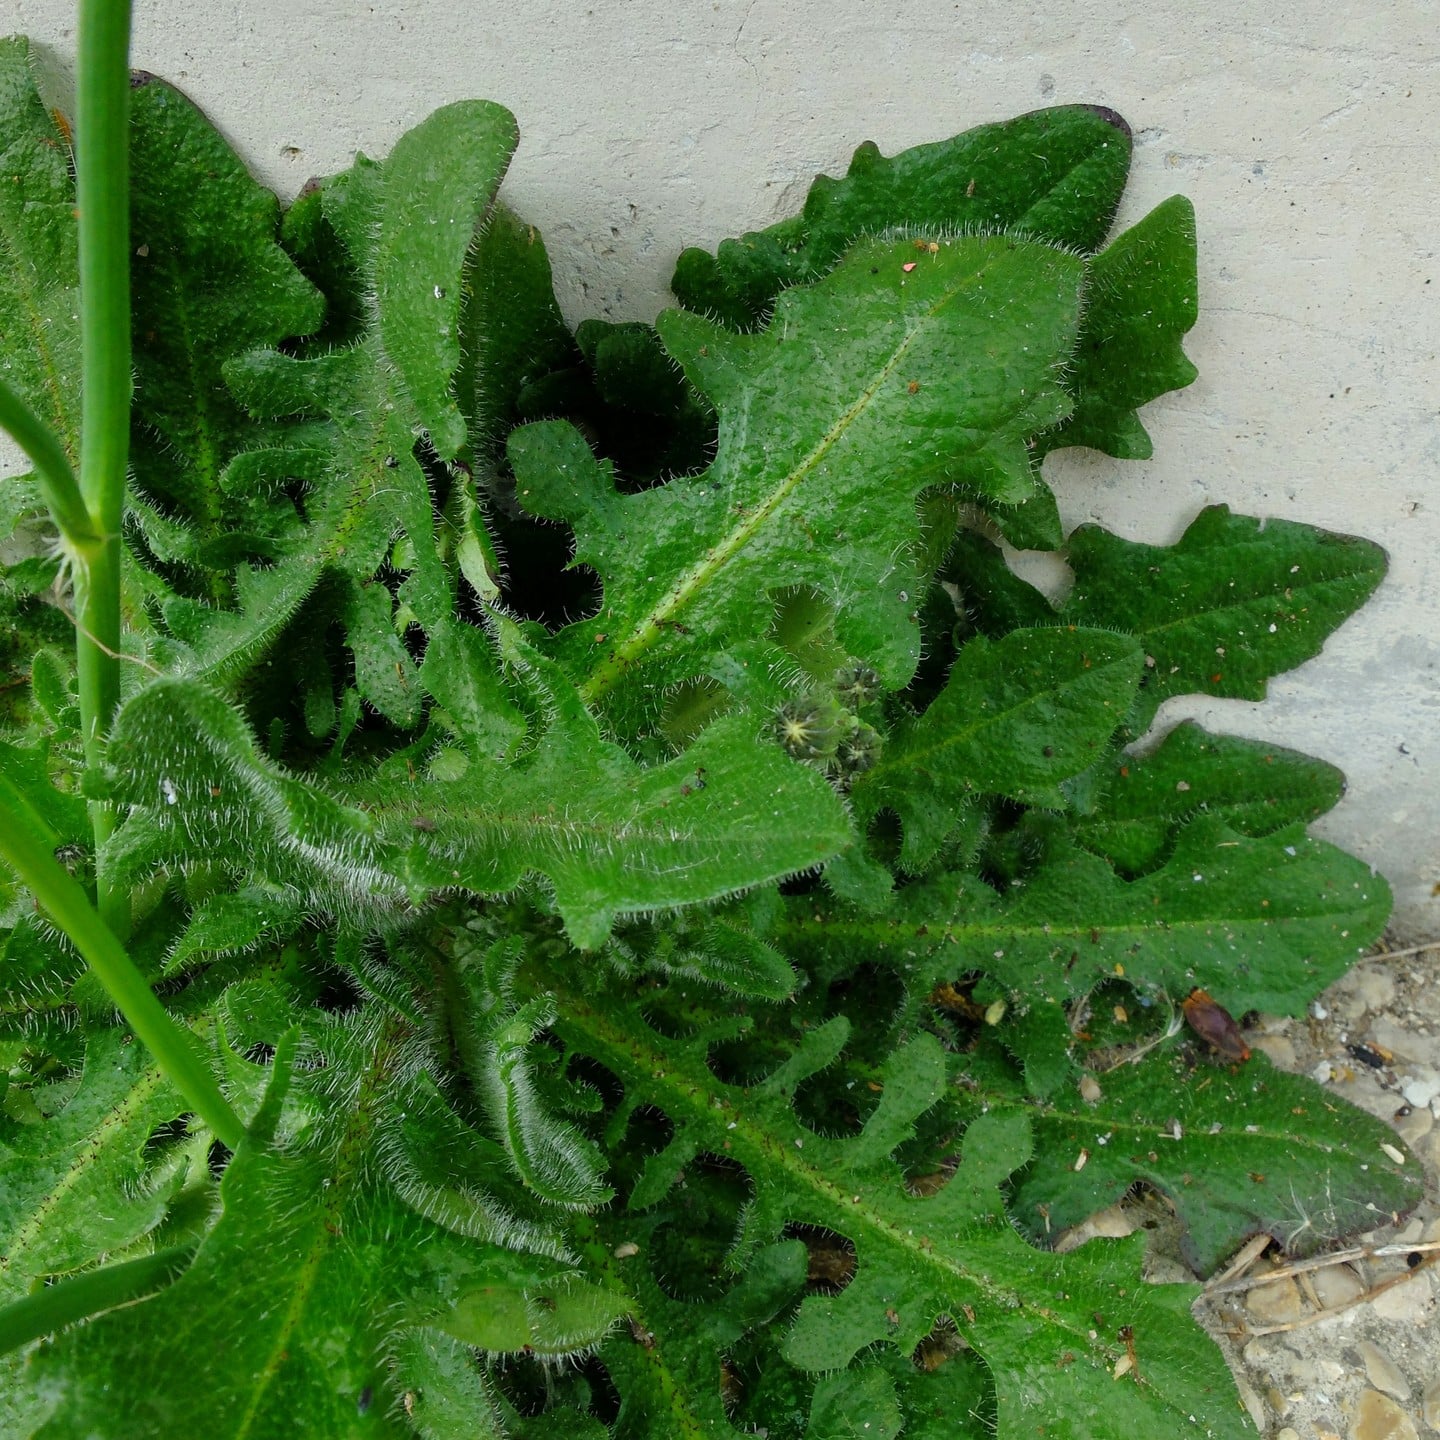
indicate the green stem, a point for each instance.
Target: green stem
{"x":29,"y":845}
{"x":52,"y":466}
{"x":85,"y":1295}
{"x":102,"y":174}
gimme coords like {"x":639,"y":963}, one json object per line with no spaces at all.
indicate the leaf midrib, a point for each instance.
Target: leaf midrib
{"x":761,"y":1150}
{"x":326,"y":1228}
{"x":650,"y":627}
{"x":914,"y":755}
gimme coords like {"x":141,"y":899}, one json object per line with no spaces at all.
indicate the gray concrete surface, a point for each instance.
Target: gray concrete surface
{"x":1304,"y":133}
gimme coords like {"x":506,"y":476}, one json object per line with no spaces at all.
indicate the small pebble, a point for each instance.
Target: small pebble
{"x":1288,"y":1433}
{"x":1275,"y":1304}
{"x":1337,"y":1286}
{"x":1411,"y":1302}
{"x":1422,"y":1089}
{"x":1374,"y":989}
{"x":1430,"y":1150}
{"x":1257,"y":1353}
{"x":1430,"y":1404}
{"x":1383,"y":1372}
{"x":1378,"y":1417}
{"x":1322,"y":1072}
{"x":1405,"y":1043}
{"x":1278,"y":1049}
{"x":1432,"y":1230}
{"x":1253,"y":1403}
{"x":1415,"y":1126}
{"x":1089,"y":1089}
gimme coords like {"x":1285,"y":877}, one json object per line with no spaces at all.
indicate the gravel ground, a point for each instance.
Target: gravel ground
{"x":1346,"y":1345}
{"x":1350,"y":1349}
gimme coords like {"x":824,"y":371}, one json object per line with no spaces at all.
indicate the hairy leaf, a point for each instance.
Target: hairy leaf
{"x":1253,"y":788}
{"x":859,"y":434}
{"x":208,"y":282}
{"x":1014,"y":719}
{"x":1055,"y":174}
{"x":77,"y":1183}
{"x":39,"y":277}
{"x":1232,"y":603}
{"x":1238,"y":1150}
{"x":725,"y":816}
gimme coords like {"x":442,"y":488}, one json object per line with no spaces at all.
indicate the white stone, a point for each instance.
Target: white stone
{"x":1375,"y":989}
{"x":1411,"y":1302}
{"x":1423,"y":1088}
{"x":1275,"y":1304}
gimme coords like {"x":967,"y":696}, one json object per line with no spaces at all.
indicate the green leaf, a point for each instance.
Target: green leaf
{"x":1262,"y":923}
{"x":79,"y":1184}
{"x":612,"y":838}
{"x":208,"y":281}
{"x":1232,"y":603}
{"x":39,"y":277}
{"x":1016,"y":717}
{"x":854,"y":1405}
{"x":549,"y":1319}
{"x":440,"y":182}
{"x":408,"y":226}
{"x":512,"y":332}
{"x":1140,"y":299}
{"x":1054,"y":175}
{"x":310,"y":1268}
{"x":900,"y":407}
{"x":952,"y":1253}
{"x":234,"y":922}
{"x":1237,"y":1151}
{"x":553,"y":1159}
{"x":1253,"y":788}
{"x":448,"y":1397}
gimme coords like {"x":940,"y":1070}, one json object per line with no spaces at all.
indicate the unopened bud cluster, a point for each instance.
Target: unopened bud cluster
{"x":826,"y":730}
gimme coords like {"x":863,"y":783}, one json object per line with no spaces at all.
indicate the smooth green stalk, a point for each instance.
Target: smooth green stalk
{"x":29,"y":844}
{"x":102,"y":160}
{"x":84,"y":1295}
{"x":52,"y":466}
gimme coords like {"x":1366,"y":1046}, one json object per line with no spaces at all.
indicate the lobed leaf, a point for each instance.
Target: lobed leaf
{"x":1251,"y":787}
{"x":1140,"y":299}
{"x":1029,"y":1315}
{"x":810,"y":430}
{"x":1238,"y":1151}
{"x":1015,"y":718}
{"x":1230,"y":604}
{"x":725,"y":816}
{"x":209,"y":281}
{"x":1261,"y":923}
{"x":1054,"y":175}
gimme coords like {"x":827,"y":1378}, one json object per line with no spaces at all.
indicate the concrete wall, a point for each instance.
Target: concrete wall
{"x":1304,"y":134}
